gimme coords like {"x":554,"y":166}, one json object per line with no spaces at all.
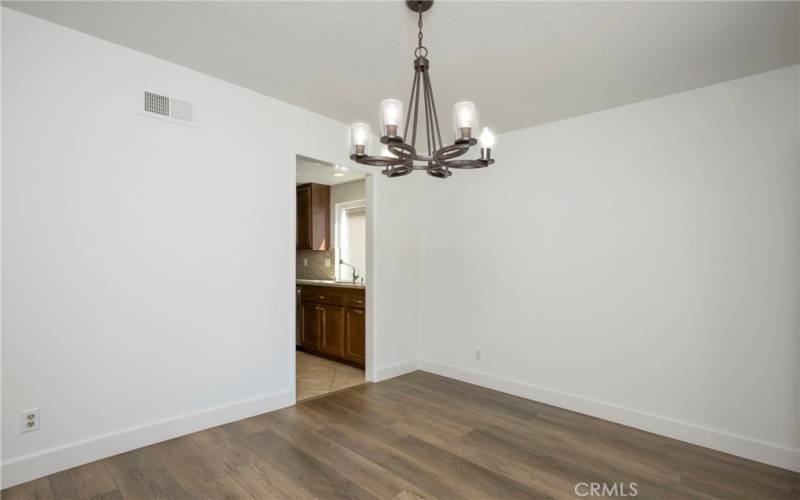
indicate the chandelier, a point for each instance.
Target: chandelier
{"x":399,"y":156}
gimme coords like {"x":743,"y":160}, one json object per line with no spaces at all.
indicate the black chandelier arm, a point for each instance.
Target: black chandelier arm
{"x":429,"y":92}
{"x":402,"y":150}
{"x":428,"y":120}
{"x":437,"y":165}
{"x":416,"y":105}
{"x":398,"y":171}
{"x":410,"y":100}
{"x":467,"y":164}
{"x":439,"y":172}
{"x":379,"y":161}
{"x":454,"y":150}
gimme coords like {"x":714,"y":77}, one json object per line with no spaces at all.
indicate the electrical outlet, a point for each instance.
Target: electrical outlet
{"x":478,"y":355}
{"x":30,"y":420}
{"x":305,"y":262}
{"x":327,"y":262}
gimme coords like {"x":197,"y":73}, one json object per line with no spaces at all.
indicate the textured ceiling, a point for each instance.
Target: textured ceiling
{"x":523,"y":63}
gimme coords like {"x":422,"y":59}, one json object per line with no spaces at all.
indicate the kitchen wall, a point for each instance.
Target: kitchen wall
{"x":639,"y":264}
{"x":311,"y":264}
{"x":147,"y":282}
{"x":342,"y":193}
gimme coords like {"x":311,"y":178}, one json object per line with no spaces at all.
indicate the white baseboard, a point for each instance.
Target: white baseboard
{"x":21,"y":469}
{"x":753,"y":449}
{"x":29,"y":467}
{"x":397,"y":369}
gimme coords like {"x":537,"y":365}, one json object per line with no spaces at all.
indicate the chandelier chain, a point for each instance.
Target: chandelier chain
{"x":419,"y":23}
{"x":421,"y":50}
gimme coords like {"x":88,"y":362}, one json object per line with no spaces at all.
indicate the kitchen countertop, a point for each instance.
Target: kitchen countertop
{"x":337,"y":284}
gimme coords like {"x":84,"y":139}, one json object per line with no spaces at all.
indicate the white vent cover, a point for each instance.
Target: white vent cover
{"x":167,"y":108}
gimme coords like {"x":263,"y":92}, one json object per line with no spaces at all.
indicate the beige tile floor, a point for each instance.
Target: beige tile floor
{"x":317,"y":376}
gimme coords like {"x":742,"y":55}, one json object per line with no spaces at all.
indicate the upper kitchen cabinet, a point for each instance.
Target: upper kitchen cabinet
{"x":313,"y":217}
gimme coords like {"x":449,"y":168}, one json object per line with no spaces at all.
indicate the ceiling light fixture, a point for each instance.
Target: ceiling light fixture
{"x":401,"y":158}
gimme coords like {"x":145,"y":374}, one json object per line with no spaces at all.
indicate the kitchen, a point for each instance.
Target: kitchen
{"x":330,"y":278}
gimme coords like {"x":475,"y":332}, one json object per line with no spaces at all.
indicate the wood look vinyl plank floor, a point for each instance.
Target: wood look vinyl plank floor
{"x":414,"y":437}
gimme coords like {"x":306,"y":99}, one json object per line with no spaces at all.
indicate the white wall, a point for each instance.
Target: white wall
{"x":393,"y":287}
{"x":148,"y":276}
{"x":639,"y":264}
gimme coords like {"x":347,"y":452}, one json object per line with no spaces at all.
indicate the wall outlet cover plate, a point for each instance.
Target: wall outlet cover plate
{"x":30,"y":420}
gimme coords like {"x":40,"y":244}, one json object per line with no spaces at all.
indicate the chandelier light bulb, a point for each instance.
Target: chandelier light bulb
{"x":360,"y":132}
{"x":392,"y":116}
{"x":359,"y":139}
{"x":465,"y":118}
{"x":487,"y":138}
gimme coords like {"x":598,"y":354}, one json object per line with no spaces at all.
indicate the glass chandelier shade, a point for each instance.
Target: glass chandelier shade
{"x":391,"y":117}
{"x":465,"y":120}
{"x":359,"y":139}
{"x":400,"y":156}
{"x":487,"y":138}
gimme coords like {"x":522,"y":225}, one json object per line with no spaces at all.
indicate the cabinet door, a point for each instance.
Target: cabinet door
{"x":320,"y":217}
{"x":310,"y":325}
{"x":332,"y":337}
{"x":304,"y":217}
{"x":354,"y":335}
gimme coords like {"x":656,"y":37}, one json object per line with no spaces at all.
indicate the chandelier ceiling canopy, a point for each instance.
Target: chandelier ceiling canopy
{"x":400,"y":156}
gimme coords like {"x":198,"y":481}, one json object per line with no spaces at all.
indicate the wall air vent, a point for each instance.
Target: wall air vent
{"x":166,"y":108}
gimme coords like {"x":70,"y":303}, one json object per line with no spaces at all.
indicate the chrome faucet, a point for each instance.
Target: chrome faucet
{"x":355,"y":271}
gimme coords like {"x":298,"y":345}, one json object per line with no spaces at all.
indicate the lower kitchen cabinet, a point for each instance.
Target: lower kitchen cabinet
{"x":354,"y":335}
{"x":332,"y":323}
{"x":331,"y":341}
{"x":310,"y":325}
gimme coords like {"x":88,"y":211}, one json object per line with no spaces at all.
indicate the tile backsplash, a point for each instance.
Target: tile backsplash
{"x":315,"y":270}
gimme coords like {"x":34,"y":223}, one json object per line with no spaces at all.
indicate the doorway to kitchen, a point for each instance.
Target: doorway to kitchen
{"x":331,"y":278}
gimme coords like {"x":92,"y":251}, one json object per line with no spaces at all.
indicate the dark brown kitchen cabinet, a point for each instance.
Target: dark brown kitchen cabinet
{"x":332,"y":323}
{"x":332,"y":338}
{"x":313,"y":217}
{"x":354,"y":335}
{"x":311,"y":324}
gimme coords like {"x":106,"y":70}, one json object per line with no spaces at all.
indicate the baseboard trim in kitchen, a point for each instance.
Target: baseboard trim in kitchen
{"x":396,"y":370}
{"x":743,"y":446}
{"x":21,"y":469}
